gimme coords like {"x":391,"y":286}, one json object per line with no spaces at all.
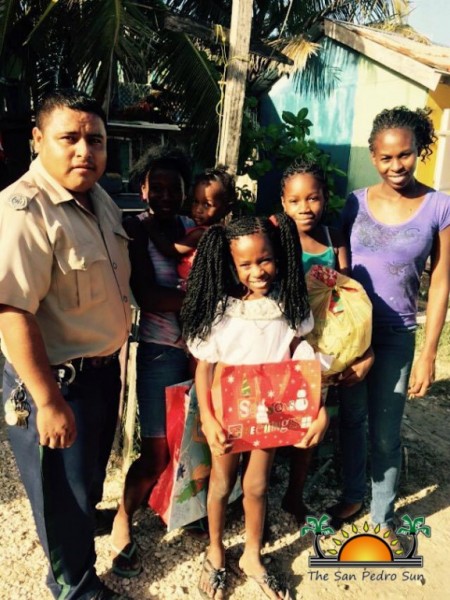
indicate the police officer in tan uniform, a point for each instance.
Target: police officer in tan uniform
{"x":64,"y":314}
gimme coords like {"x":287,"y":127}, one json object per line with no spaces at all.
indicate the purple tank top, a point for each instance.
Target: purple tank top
{"x":388,"y":260}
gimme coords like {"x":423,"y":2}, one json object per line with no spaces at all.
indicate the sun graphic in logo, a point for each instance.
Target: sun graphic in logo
{"x":365,"y":547}
{"x":377,"y":549}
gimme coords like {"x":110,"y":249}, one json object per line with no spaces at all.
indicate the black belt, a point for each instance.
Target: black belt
{"x":67,"y":371}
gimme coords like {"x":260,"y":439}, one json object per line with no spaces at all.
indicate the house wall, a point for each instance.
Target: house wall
{"x":437,"y":101}
{"x":342,"y":114}
{"x":330,"y":108}
{"x":377,"y":88}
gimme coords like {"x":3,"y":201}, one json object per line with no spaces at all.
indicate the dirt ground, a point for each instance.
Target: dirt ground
{"x":172,"y":561}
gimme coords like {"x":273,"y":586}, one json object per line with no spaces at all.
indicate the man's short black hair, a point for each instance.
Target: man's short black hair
{"x":68,"y":98}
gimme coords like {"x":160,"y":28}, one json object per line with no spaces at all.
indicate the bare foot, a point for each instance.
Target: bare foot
{"x":212,"y":579}
{"x":250,"y":564}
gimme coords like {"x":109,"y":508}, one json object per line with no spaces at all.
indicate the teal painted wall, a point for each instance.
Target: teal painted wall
{"x":378,"y":88}
{"x":327,"y":88}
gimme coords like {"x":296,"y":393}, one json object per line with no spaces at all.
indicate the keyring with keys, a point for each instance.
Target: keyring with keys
{"x":66,"y":373}
{"x":17,"y":407}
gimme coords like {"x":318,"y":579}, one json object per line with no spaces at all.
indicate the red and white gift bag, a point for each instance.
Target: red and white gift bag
{"x":266,"y":405}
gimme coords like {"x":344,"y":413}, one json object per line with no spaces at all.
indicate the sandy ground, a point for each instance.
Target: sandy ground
{"x":172,"y":561}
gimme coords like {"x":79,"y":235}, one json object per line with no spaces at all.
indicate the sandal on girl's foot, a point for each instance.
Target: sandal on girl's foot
{"x":216,"y":578}
{"x":126,"y":563}
{"x":271,"y":582}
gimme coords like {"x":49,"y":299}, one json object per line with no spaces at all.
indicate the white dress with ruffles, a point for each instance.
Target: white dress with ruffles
{"x":250,"y":332}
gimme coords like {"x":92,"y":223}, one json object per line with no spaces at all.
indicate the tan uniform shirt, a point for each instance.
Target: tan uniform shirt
{"x":64,"y":265}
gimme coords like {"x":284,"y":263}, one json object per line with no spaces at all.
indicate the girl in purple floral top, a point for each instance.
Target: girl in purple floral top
{"x":393,"y":227}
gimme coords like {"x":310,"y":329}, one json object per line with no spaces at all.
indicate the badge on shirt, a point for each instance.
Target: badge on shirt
{"x":18,"y":202}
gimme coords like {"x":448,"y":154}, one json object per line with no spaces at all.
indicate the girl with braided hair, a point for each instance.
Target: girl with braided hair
{"x":304,"y":196}
{"x":246,"y":301}
{"x":392,"y":228}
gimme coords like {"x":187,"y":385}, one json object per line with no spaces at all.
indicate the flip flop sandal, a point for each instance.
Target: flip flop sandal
{"x":271,"y":582}
{"x":216,"y":577}
{"x":127,"y":562}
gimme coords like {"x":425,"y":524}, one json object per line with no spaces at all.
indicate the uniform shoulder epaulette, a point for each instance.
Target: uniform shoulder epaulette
{"x":21,"y":195}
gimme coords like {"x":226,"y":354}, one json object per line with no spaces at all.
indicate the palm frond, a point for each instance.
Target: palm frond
{"x":187,"y":71}
{"x":118,"y":32}
{"x":8,"y":13}
{"x":206,"y":11}
{"x":299,"y":50}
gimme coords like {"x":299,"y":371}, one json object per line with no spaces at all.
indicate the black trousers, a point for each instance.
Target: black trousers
{"x":64,"y":485}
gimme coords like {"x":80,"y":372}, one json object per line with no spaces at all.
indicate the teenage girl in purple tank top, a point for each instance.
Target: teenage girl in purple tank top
{"x":393,"y":227}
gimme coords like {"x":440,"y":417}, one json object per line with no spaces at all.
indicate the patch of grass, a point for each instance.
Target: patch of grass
{"x":441,"y":387}
{"x":444,"y":342}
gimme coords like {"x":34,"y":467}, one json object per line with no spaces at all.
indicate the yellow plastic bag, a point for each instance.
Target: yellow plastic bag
{"x":342,"y":317}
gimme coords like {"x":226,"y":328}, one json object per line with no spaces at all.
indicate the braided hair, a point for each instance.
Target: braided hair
{"x":418,"y":121}
{"x":220,"y":175}
{"x":213,"y":277}
{"x":302,"y":166}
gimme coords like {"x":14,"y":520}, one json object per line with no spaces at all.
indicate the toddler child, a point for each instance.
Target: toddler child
{"x":214,"y":194}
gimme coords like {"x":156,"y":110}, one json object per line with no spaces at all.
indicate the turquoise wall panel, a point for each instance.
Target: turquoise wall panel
{"x":327,"y":88}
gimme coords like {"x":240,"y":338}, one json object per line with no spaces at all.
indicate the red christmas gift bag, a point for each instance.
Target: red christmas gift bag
{"x":266,"y":405}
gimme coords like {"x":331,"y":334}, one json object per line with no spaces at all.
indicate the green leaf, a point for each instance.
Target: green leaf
{"x":327,"y":531}
{"x":426,"y":530}
{"x":307,"y":529}
{"x":408,"y":521}
{"x":403,"y":531}
{"x":289,"y":117}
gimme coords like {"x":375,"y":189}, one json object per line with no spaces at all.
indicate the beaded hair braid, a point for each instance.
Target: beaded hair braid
{"x":401,"y":117}
{"x":213,"y":277}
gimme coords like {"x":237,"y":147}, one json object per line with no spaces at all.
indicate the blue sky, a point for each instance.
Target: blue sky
{"x":432,"y":18}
